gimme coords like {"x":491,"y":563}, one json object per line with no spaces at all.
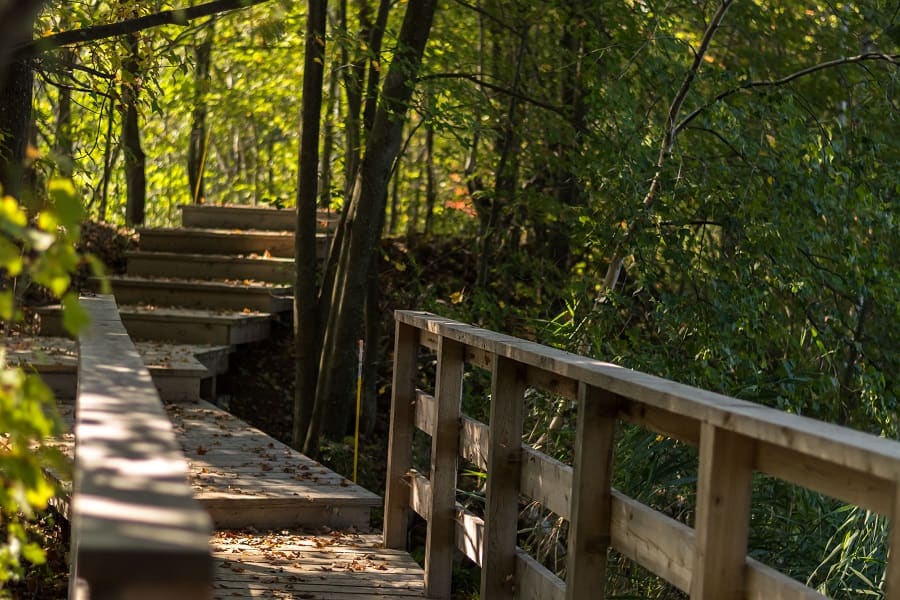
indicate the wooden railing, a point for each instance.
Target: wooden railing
{"x":136,"y":531}
{"x":735,"y":439}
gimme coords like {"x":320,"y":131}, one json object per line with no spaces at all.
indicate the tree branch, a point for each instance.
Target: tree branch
{"x":848,"y":60}
{"x":668,"y":140}
{"x":479,"y":81}
{"x":177,"y":16}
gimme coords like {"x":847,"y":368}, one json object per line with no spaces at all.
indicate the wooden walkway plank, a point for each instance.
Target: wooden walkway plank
{"x":334,"y":566}
{"x":245,"y":478}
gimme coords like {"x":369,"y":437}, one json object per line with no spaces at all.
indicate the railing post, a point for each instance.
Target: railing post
{"x":396,"y":497}
{"x":591,"y":502}
{"x":892,"y":576}
{"x":724,"y":486}
{"x":440,"y":540}
{"x":498,"y":564}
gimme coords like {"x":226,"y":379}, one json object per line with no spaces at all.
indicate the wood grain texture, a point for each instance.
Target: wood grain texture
{"x":498,"y":565}
{"x":399,"y":459}
{"x":724,"y":486}
{"x":134,"y":520}
{"x":589,"y":525}
{"x":735,"y":438}
{"x":294,"y":564}
{"x":440,"y":536}
{"x":245,"y":478}
{"x":855,"y":450}
{"x":892,"y":577}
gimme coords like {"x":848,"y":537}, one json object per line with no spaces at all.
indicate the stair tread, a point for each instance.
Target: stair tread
{"x":200,"y":257}
{"x":225,"y":285}
{"x":219,"y":232}
{"x":200,"y":315}
{"x":59,"y":354}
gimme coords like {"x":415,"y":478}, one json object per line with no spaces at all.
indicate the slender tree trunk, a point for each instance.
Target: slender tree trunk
{"x":430,"y":184}
{"x":135,"y":176}
{"x":62,"y":144}
{"x":494,"y":228}
{"x":376,"y":35}
{"x":109,"y":158}
{"x":197,"y":145}
{"x":667,"y":144}
{"x":365,"y":221}
{"x":325,"y":169}
{"x":306,"y":311}
{"x":395,"y":198}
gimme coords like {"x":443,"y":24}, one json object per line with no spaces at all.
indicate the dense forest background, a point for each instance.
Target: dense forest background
{"x":704,"y":190}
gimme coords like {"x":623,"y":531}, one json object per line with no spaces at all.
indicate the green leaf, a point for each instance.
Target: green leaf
{"x":7,"y":305}
{"x":74,"y":317}
{"x":65,"y":202}
{"x":34,"y":554}
{"x":10,"y":257}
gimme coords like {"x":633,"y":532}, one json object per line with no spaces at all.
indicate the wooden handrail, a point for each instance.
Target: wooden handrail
{"x":136,"y":530}
{"x":735,"y":439}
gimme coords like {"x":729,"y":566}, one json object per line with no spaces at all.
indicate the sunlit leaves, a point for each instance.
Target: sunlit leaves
{"x":44,"y":251}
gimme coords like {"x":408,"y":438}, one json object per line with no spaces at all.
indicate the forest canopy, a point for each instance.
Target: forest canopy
{"x":707,"y":191}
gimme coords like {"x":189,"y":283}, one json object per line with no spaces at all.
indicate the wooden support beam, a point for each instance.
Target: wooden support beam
{"x":724,"y":486}
{"x":498,"y":568}
{"x":892,"y":577}
{"x":441,"y":535}
{"x":137,"y":531}
{"x":396,"y":497}
{"x":589,"y":527}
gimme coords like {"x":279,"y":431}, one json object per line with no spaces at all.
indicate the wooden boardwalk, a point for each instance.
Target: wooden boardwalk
{"x":333,"y":566}
{"x":287,"y":526}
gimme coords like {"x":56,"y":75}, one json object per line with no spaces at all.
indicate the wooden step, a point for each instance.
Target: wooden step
{"x":187,"y":293}
{"x":210,"y":266}
{"x":180,"y":325}
{"x":192,"y":240}
{"x":245,"y":478}
{"x":250,"y":217}
{"x":177,"y":372}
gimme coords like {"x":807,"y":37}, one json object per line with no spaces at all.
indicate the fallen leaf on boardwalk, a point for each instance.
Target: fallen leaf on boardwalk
{"x":201,"y":450}
{"x":265,"y":467}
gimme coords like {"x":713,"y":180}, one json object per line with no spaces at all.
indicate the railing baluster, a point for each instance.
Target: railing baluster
{"x":440,"y":541}
{"x":591,"y":502}
{"x":892,"y":577}
{"x":498,"y":564}
{"x":396,"y":497}
{"x":724,"y":486}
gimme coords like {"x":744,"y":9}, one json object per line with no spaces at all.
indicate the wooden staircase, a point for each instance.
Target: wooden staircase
{"x":219,"y":280}
{"x":185,"y":500}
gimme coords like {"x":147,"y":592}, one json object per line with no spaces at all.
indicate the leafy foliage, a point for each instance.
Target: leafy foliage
{"x":42,"y":251}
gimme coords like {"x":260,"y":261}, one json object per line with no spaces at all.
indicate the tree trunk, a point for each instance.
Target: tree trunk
{"x":376,"y":35}
{"x":109,"y":158}
{"x":135,"y":177}
{"x":395,"y":198}
{"x":430,"y":185}
{"x":16,"y":27}
{"x":16,"y":85}
{"x":325,"y":170}
{"x":197,"y":145}
{"x":365,"y":220}
{"x":495,"y":222}
{"x":306,"y":310}
{"x":62,"y":144}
